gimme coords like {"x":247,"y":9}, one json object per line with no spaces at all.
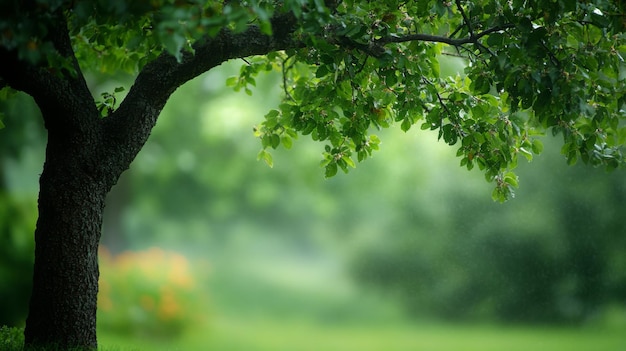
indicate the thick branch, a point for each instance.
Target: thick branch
{"x":129,"y":126}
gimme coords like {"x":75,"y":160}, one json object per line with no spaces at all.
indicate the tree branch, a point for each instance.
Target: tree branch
{"x":441,"y":39}
{"x":470,"y":29}
{"x":128,"y":128}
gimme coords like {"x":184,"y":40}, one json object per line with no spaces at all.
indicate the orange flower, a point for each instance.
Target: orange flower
{"x":168,"y":307}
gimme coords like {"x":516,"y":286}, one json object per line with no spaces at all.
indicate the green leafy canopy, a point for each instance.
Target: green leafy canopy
{"x":532,"y":67}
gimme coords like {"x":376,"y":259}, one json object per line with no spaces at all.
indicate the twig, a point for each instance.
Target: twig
{"x":442,"y":39}
{"x":443,"y":104}
{"x":465,"y":19}
{"x":285,"y":69}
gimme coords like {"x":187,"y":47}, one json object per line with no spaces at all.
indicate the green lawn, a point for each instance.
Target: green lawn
{"x":306,"y":336}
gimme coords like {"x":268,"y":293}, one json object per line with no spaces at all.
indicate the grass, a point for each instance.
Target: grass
{"x":12,"y":339}
{"x":272,"y":335}
{"x":305,"y":337}
{"x":293,"y":335}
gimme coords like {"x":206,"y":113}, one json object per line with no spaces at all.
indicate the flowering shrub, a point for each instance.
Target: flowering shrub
{"x":151,"y":293}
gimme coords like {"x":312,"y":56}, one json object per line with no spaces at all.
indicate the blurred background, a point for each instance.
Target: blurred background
{"x":204,"y":247}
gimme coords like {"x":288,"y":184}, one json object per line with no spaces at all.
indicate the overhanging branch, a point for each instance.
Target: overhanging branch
{"x":442,"y":39}
{"x":159,"y":78}
{"x":129,"y":126}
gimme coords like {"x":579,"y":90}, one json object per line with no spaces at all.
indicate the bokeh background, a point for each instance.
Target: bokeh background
{"x":204,"y":247}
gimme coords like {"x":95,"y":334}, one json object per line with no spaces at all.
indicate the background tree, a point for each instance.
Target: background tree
{"x":348,"y":67}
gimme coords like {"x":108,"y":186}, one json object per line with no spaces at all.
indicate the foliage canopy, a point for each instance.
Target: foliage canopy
{"x":351,"y":67}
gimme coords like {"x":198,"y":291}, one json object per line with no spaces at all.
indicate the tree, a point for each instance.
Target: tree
{"x":348,"y":67}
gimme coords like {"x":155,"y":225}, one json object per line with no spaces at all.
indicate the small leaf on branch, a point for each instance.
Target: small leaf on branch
{"x":265,"y":156}
{"x":331,"y":169}
{"x":537,"y":146}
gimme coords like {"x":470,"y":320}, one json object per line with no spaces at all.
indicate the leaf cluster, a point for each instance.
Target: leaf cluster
{"x":531,"y":68}
{"x":353,"y":67}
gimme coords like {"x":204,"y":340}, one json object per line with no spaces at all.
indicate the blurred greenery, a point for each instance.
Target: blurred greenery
{"x":274,"y":335}
{"x":21,"y":161}
{"x":12,"y":339}
{"x":407,"y":252}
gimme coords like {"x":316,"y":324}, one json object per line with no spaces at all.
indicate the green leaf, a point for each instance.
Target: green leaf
{"x":405,"y":125}
{"x":480,"y":85}
{"x":537,"y":146}
{"x":331,"y":169}
{"x":173,"y":43}
{"x":526,"y":153}
{"x":272,"y":114}
{"x":434,"y":66}
{"x":265,"y":156}
{"x":232,"y":81}
{"x":497,"y":195}
{"x":266,"y":27}
{"x":349,"y":161}
{"x":449,"y":134}
{"x":572,"y":158}
{"x":287,"y":142}
{"x":274,"y":140}
{"x":512,"y":179}
{"x":495,"y":39}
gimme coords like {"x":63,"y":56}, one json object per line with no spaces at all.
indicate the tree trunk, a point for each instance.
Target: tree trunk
{"x":85,"y":157}
{"x":65,"y":281}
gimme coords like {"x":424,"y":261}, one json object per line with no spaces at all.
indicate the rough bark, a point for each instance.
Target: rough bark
{"x":85,"y":156}
{"x":65,"y":281}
